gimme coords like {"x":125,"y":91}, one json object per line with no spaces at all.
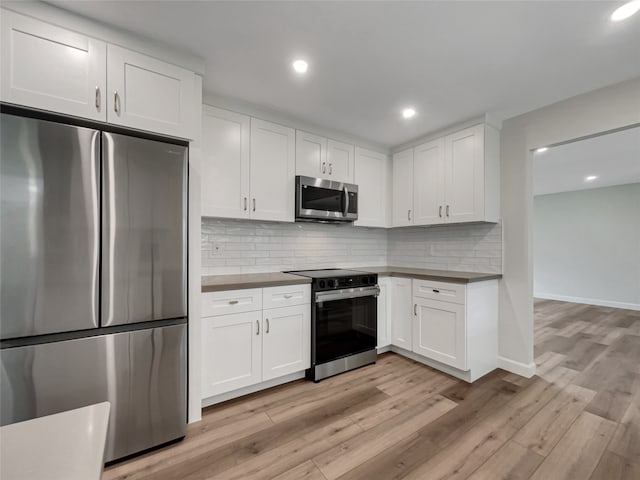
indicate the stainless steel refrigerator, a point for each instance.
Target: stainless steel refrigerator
{"x":93,"y":278}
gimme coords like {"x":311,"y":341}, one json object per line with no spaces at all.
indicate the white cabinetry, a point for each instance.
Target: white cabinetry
{"x":453,"y":179}
{"x":225,"y":163}
{"x":320,"y":157}
{"x":272,"y":171}
{"x":148,"y":94}
{"x":371,"y":176}
{"x":50,"y":68}
{"x":402,"y":188}
{"x":254,"y":335}
{"x":401,"y":315}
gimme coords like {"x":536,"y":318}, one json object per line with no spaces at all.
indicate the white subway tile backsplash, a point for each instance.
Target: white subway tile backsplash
{"x":242,"y":246}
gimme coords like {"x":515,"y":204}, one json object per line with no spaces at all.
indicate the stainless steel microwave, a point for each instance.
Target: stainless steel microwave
{"x":323,"y":200}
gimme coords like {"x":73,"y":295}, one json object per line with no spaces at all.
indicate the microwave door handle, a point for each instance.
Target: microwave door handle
{"x":346,"y":201}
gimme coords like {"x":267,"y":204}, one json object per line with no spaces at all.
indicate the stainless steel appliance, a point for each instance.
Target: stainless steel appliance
{"x":323,"y":200}
{"x":93,"y":278}
{"x":344,"y":317}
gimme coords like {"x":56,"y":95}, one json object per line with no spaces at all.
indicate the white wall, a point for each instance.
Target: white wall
{"x":586,"y":246}
{"x":599,"y":111}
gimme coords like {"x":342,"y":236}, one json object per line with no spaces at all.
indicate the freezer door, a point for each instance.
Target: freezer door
{"x":49,"y":227}
{"x":141,"y":373}
{"x":144,"y":206}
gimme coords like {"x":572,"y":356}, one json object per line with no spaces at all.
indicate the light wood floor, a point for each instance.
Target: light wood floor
{"x":578,"y":419}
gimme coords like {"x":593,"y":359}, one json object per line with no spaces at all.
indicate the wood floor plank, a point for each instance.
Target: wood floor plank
{"x":348,"y":455}
{"x":626,"y":440}
{"x":615,"y":467}
{"x":304,"y":471}
{"x":511,"y":462}
{"x":578,"y":452}
{"x":548,"y":426}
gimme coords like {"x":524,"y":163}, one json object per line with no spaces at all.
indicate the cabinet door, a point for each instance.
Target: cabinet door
{"x":50,"y":68}
{"x":311,"y":155}
{"x":401,"y":314}
{"x":403,"y":188}
{"x":464,"y":175}
{"x":148,"y":94}
{"x":371,"y":178}
{"x":225,"y":163}
{"x":384,"y":303}
{"x":340,"y":161}
{"x":286,"y":341}
{"x":231,"y":352}
{"x":428,"y":183}
{"x":439,"y":332}
{"x":272,"y":171}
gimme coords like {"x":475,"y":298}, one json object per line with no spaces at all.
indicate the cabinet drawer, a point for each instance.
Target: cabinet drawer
{"x":286,"y":296}
{"x":444,"y":292}
{"x":231,"y":301}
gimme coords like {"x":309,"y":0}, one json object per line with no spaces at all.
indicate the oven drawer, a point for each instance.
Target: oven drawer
{"x":286,"y":296}
{"x":231,"y":301}
{"x":444,"y":292}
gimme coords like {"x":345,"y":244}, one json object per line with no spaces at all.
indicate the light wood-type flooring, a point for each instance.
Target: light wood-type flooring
{"x":578,"y":418}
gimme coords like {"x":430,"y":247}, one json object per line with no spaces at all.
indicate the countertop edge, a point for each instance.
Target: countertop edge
{"x":255,"y":284}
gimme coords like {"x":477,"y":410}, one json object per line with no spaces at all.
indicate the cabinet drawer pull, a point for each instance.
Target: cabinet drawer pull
{"x":288,"y":295}
{"x":409,"y":214}
{"x":267,"y":330}
{"x":447,"y":210}
{"x":98,"y":98}
{"x":254,"y":204}
{"x":330,"y":169}
{"x":324,"y":167}
{"x":440,"y":211}
{"x":245,"y":204}
{"x":233,"y":302}
{"x":436,"y":291}
{"x":116,"y":102}
{"x":415,"y":309}
{"x":257,"y":327}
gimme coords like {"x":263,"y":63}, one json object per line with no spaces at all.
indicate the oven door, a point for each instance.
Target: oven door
{"x":344,"y":323}
{"x":319,"y":199}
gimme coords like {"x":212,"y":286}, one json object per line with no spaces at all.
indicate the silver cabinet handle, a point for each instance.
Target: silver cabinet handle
{"x":254,"y":204}
{"x":447,"y":210}
{"x":330,"y":169}
{"x":409,"y":214}
{"x":440,"y":211}
{"x":245,"y":204}
{"x":257,"y":327}
{"x":324,"y":167}
{"x":98,"y":98}
{"x":415,"y":309}
{"x":233,"y":302}
{"x":287,"y":295}
{"x":267,"y":330}
{"x":116,"y":102}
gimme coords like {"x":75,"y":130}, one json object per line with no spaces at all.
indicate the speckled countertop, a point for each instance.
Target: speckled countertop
{"x":437,"y":275}
{"x":214,"y":283}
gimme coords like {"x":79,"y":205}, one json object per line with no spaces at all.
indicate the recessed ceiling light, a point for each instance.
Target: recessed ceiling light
{"x":542,"y":149}
{"x":408,"y":113}
{"x":625,"y":11}
{"x":590,"y":178}
{"x":300,"y":66}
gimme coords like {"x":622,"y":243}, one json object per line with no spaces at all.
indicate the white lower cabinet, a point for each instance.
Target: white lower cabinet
{"x":401,"y":315}
{"x":439,"y":332}
{"x":384,"y":312}
{"x":285,"y":340}
{"x":244,"y":348}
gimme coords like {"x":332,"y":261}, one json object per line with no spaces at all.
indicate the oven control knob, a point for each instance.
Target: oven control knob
{"x":333,"y":283}
{"x":322,"y":283}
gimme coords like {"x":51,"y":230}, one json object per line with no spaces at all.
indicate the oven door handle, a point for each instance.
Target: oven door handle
{"x":347,"y":293}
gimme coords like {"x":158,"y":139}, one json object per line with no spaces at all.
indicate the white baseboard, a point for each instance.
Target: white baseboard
{"x":518,"y":368}
{"x":588,"y":301}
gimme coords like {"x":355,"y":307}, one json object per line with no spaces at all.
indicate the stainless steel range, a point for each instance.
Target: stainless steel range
{"x":343,"y":320}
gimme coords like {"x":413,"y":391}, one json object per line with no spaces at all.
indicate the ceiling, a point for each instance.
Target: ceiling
{"x":451,"y":60}
{"x":614,"y":158}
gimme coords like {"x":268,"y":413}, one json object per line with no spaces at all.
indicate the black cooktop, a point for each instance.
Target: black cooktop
{"x":327,"y":273}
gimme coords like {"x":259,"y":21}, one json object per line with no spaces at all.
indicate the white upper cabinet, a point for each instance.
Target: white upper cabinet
{"x":454,"y":179}
{"x":340,"y":161}
{"x":49,"y":68}
{"x":225,"y":163}
{"x":428,"y":188}
{"x":147,"y":93}
{"x":403,"y":188}
{"x":311,"y":154}
{"x":320,"y":157}
{"x":272,"y":167}
{"x":371,"y":176}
